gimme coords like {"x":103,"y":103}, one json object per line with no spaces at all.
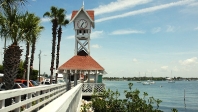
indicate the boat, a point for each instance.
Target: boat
{"x":152,"y":82}
{"x":146,"y":83}
{"x":170,"y":80}
{"x":139,"y":81}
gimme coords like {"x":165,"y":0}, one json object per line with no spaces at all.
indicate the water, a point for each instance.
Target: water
{"x":171,"y":94}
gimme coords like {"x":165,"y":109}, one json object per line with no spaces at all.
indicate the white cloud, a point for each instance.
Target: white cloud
{"x":175,"y":69}
{"x":70,"y":37}
{"x":135,"y":60}
{"x":45,"y":19}
{"x":96,"y":34}
{"x":68,"y":16}
{"x":96,"y":46}
{"x":194,"y":4}
{"x":196,"y":28}
{"x":164,"y":68}
{"x":170,"y":28}
{"x":156,"y":30}
{"x":118,"y":5}
{"x":122,"y":32}
{"x":190,"y":61}
{"x":146,"y":10}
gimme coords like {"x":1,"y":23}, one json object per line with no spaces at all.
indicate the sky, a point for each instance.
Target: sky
{"x":131,"y":38}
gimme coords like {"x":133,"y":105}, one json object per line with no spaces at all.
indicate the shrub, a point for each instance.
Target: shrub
{"x":107,"y":101}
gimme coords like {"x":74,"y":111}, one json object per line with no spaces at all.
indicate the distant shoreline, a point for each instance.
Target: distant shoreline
{"x":148,"y":78}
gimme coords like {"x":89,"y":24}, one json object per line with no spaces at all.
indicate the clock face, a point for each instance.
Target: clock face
{"x":82,"y":24}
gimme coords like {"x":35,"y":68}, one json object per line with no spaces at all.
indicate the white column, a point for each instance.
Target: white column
{"x":88,"y":78}
{"x":96,"y":78}
{"x":75,"y":79}
{"x":89,"y":42}
{"x":76,"y":43}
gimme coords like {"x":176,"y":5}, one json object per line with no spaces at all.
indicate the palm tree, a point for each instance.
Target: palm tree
{"x":12,"y":3}
{"x":10,"y":29}
{"x":53,"y":15}
{"x":35,"y":35}
{"x":30,"y":30}
{"x":62,"y":21}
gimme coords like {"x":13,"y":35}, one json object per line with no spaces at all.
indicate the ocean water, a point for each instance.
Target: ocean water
{"x":171,"y":94}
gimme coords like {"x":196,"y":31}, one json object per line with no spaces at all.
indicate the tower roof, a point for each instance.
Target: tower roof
{"x":89,"y":12}
{"x":81,"y":63}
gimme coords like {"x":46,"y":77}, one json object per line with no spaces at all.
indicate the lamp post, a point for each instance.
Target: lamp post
{"x":1,"y":53}
{"x":28,"y":72}
{"x":39,"y":64}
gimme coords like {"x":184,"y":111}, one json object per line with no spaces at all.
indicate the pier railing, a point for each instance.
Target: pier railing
{"x":30,"y":99}
{"x":89,"y":88}
{"x":47,"y":98}
{"x":68,"y":102}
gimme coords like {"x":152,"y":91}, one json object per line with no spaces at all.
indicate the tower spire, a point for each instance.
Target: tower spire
{"x":83,"y":4}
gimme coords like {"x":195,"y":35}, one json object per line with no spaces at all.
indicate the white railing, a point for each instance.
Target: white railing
{"x":30,"y":99}
{"x":68,"y":102}
{"x":89,"y":88}
{"x":48,"y":98}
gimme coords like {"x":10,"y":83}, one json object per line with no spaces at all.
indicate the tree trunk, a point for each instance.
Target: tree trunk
{"x":54,"y":28}
{"x":26,"y":60}
{"x":58,"y":49}
{"x":32,"y":56}
{"x":11,"y":65}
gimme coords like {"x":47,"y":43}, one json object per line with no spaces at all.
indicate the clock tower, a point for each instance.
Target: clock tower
{"x":82,"y":66}
{"x":83,"y":21}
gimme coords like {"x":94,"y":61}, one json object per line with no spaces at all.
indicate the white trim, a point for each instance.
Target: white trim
{"x":1,"y":75}
{"x":92,"y":21}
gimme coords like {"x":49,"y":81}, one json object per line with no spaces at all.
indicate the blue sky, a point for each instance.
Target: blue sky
{"x":150,"y":37}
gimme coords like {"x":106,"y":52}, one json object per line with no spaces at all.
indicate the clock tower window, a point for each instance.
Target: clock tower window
{"x":82,"y":32}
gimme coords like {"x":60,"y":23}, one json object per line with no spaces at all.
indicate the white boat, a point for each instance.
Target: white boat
{"x":145,"y":83}
{"x":138,"y":81}
{"x":171,"y":81}
{"x":152,"y":82}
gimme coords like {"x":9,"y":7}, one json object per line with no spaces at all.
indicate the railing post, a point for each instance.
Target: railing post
{"x":2,"y":104}
{"x":29,"y":96}
{"x":93,"y":87}
{"x":44,"y":91}
{"x":37,"y":101}
{"x":17,"y":100}
{"x":68,"y":86}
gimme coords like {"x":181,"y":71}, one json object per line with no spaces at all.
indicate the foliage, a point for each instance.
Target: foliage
{"x":12,"y":3}
{"x":20,"y":73}
{"x":57,"y":17}
{"x":85,"y":106}
{"x":1,"y":69}
{"x":53,"y":15}
{"x":34,"y":75}
{"x":107,"y":101}
{"x":174,"y":110}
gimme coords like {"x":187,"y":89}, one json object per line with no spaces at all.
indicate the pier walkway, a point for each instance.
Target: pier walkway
{"x":48,"y":98}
